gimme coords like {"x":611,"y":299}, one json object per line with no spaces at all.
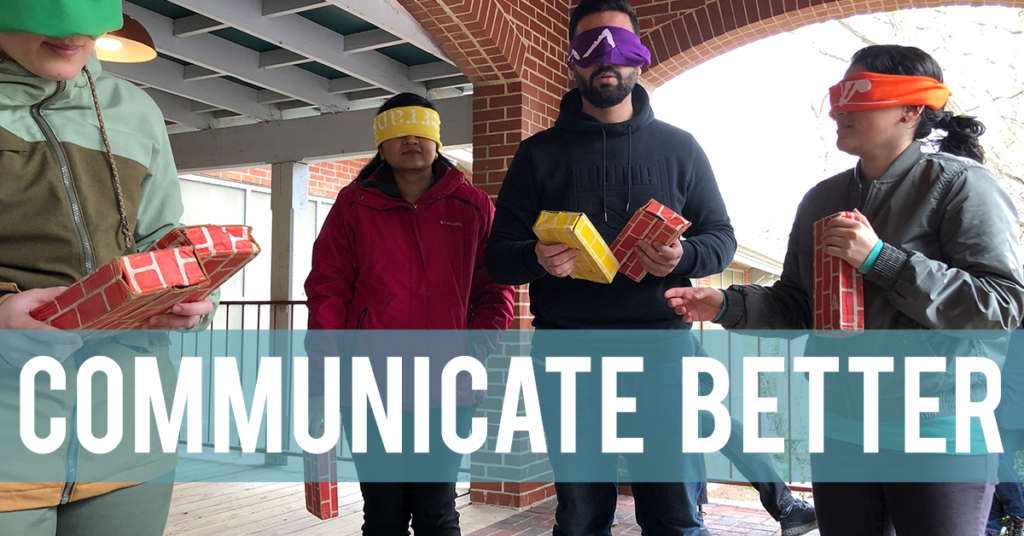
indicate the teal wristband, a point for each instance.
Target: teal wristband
{"x":725,"y":307}
{"x":872,"y":257}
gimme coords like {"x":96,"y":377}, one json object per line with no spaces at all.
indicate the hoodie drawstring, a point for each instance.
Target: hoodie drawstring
{"x":125,"y":228}
{"x":629,"y":170}
{"x":604,"y":175}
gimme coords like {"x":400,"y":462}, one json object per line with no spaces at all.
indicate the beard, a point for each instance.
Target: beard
{"x":605,"y":95}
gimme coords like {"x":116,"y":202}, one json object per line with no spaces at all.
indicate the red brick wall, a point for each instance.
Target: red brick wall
{"x":511,"y":494}
{"x":325,"y":178}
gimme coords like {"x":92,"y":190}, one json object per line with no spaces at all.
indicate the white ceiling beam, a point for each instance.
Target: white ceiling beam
{"x":195,"y":72}
{"x":390,"y":16}
{"x":280,"y":58}
{"x":178,"y":128}
{"x":347,"y":85}
{"x":308,"y":38}
{"x":445,"y":83}
{"x":278,"y":8}
{"x":170,"y":77}
{"x":294,"y":105}
{"x":265,"y":96}
{"x":220,"y":55}
{"x":298,"y":140}
{"x":432,"y":71}
{"x":370,"y":40}
{"x":195,"y":25}
{"x":369,"y":94}
{"x":203,"y":108}
{"x":445,"y":93}
{"x":179,"y":110}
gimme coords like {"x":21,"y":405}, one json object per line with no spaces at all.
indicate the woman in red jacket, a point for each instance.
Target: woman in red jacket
{"x":403,"y":249}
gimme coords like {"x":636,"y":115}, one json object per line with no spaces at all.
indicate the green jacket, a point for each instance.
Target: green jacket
{"x":59,"y":221}
{"x":58,"y":210}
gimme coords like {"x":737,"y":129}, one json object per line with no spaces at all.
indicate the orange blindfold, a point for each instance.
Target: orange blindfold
{"x":871,"y":91}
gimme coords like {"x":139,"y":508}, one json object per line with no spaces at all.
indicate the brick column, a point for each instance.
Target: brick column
{"x":496,"y":478}
{"x":513,"y":52}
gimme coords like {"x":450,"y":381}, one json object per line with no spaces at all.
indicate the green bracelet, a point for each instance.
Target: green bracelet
{"x":725,"y":306}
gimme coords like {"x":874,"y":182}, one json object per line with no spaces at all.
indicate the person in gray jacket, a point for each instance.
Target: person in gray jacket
{"x":940,"y":252}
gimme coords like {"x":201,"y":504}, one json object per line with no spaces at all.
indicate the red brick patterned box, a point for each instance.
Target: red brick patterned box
{"x":652,"y":223}
{"x":321,"y":477}
{"x":187,"y":265}
{"x":838,"y":288}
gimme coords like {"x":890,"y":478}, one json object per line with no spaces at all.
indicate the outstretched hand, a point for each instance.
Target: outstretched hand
{"x":695,"y":304}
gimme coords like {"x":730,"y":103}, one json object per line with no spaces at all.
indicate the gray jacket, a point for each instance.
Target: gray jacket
{"x":951,"y":261}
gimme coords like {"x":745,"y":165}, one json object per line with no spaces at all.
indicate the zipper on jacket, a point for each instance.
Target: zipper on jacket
{"x":65,"y":176}
{"x":71,"y":459}
{"x":362,"y":318}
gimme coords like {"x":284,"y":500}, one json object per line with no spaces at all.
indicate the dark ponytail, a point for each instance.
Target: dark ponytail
{"x":400,"y":101}
{"x":962,"y":132}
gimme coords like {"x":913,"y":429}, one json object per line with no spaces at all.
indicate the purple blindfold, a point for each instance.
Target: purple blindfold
{"x":608,"y":44}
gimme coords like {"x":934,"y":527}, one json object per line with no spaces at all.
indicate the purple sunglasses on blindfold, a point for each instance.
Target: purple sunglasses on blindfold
{"x":609,"y":45}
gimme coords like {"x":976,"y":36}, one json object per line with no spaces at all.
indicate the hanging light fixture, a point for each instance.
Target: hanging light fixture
{"x":131,"y":44}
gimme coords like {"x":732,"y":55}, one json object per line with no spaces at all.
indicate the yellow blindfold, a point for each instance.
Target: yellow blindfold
{"x":407,"y":121}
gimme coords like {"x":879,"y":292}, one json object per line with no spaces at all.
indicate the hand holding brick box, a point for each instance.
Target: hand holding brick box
{"x":187,"y":265}
{"x":838,"y":288}
{"x":653,"y":223}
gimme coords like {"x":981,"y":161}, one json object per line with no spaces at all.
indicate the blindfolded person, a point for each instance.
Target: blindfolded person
{"x":606,"y":157}
{"x":938,"y":251}
{"x":403,"y":249}
{"x":86,"y":176}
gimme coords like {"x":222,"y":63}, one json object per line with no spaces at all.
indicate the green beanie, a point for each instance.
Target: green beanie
{"x":61,"y":18}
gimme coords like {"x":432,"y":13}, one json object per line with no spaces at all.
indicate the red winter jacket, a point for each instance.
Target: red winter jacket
{"x":381,"y":262}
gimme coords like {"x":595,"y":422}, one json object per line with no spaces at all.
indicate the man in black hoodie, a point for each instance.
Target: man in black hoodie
{"x":607,"y":156}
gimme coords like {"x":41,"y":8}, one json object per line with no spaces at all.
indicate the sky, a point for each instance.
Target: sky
{"x":761,"y":111}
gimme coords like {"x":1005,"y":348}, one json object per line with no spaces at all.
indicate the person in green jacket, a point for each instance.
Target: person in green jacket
{"x":86,"y":176}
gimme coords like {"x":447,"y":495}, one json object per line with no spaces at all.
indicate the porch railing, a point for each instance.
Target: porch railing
{"x":286,"y":316}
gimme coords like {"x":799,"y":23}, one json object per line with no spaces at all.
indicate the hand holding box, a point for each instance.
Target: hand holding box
{"x":595,"y":261}
{"x":187,"y":265}
{"x":653,"y":223}
{"x":838,"y":288}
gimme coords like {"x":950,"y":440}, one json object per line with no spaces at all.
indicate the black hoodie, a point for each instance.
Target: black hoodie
{"x":607,"y":171}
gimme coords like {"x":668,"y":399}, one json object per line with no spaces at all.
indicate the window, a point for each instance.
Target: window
{"x":220,"y":202}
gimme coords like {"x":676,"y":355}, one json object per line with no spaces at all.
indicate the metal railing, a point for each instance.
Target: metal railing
{"x":262,"y":321}
{"x":269,"y":315}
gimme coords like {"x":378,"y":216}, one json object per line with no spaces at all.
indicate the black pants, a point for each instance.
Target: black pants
{"x":389,"y":500}
{"x":388,"y":506}
{"x":756,"y":467}
{"x":900,"y":508}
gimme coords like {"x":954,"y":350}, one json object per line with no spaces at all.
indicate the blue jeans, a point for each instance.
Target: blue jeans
{"x":666,"y":483}
{"x":1009,"y":496}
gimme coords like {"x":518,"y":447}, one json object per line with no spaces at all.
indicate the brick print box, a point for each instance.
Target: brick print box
{"x":186,"y":265}
{"x":321,"y":486}
{"x":651,"y":223}
{"x":838,"y":288}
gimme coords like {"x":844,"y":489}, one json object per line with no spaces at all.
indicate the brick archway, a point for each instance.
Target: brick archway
{"x":682,"y":36}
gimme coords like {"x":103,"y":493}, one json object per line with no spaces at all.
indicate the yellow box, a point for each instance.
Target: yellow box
{"x":595,"y":261}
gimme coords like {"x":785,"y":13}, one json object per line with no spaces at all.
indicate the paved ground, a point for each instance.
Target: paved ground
{"x":723,"y":518}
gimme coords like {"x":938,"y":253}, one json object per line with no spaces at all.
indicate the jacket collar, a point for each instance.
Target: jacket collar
{"x":896,"y":172}
{"x":384,"y":193}
{"x":20,"y":85}
{"x":903,"y":163}
{"x":571,"y":116}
